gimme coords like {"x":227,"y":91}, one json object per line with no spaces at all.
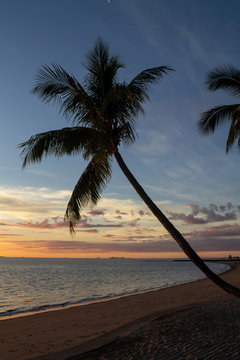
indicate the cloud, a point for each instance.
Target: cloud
{"x":54,"y":223}
{"x":207,"y":215}
{"x":154,"y":144}
{"x":134,"y":222}
{"x":96,"y":247}
{"x":58,"y":223}
{"x":225,"y":237}
{"x":10,"y":203}
{"x":19,"y":204}
{"x":96,"y":212}
{"x":41,"y":172}
{"x":8,"y":234}
{"x":121,"y":212}
{"x":128,"y":246}
{"x":137,"y":238}
{"x":25,"y":202}
{"x":34,"y":193}
{"x":196,"y":48}
{"x":222,"y":231}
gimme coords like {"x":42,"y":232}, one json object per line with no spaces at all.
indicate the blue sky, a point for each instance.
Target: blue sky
{"x":170,"y":159}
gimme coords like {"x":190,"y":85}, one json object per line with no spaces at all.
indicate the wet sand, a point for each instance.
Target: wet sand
{"x":197,"y":320}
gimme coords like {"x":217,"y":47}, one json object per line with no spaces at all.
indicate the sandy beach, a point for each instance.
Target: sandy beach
{"x":197,"y":320}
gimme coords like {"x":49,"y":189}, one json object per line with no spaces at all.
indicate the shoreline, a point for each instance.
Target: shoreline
{"x":51,"y":308}
{"x":65,"y":333}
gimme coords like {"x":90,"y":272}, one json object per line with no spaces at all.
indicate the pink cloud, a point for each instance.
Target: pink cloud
{"x":57,"y":223}
{"x":221,"y":231}
{"x":44,"y":224}
{"x":144,"y":246}
{"x":213,"y":238}
{"x":97,"y":247}
{"x":203,"y":215}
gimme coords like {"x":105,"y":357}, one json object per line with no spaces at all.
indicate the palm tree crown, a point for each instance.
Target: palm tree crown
{"x":103,"y":112}
{"x":226,"y":78}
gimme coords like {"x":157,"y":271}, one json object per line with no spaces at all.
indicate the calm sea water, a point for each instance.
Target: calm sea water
{"x":28,"y":284}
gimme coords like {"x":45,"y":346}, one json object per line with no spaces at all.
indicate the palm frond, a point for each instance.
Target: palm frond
{"x":88,"y":188}
{"x":143,"y":81}
{"x":210,"y":119}
{"x":120,"y":106}
{"x":51,"y":83}
{"x":55,"y":84}
{"x":66,"y":141}
{"x":227,"y":78}
{"x":234,"y":131}
{"x":125,"y":134}
{"x":102,"y":70}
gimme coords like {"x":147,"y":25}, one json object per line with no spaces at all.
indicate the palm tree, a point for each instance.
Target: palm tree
{"x":226,"y":78}
{"x":103,"y":112}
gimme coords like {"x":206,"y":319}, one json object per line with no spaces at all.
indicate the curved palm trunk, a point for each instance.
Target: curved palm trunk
{"x":177,"y":236}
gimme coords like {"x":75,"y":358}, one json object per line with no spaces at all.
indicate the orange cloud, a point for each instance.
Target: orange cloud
{"x":8,"y":234}
{"x":125,"y":246}
{"x":57,"y":223}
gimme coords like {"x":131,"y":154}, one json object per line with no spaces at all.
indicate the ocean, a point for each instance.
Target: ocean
{"x":35,"y":284}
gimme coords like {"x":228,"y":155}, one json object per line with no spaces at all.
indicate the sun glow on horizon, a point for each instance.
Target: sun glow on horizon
{"x":33,"y":226}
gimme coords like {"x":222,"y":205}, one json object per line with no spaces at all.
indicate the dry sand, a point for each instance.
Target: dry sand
{"x":197,"y":320}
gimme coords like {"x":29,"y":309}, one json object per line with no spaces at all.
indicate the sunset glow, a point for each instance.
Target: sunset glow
{"x":188,"y":176}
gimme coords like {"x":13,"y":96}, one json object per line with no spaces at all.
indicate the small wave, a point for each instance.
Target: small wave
{"x":11,"y":312}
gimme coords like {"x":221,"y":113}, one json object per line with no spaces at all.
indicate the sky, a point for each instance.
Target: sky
{"x":188,"y":176}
